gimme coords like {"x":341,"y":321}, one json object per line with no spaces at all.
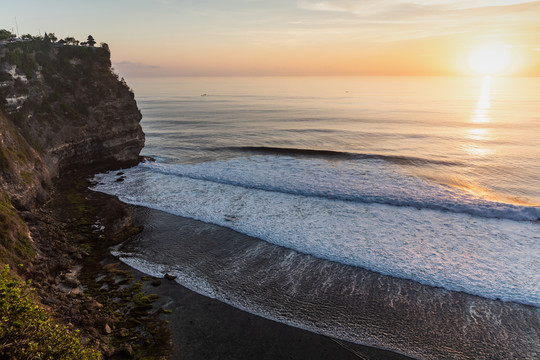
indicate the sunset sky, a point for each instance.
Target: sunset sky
{"x":304,"y":37}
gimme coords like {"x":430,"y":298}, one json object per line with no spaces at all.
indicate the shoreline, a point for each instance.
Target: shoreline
{"x":424,"y":322}
{"x":206,"y":328}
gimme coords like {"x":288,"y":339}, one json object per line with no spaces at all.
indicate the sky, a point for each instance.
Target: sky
{"x":296,"y":37}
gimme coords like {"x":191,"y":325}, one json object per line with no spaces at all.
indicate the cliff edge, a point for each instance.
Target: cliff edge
{"x":61,"y":108}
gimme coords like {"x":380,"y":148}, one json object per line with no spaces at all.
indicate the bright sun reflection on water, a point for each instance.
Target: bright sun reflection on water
{"x":479,"y":134}
{"x":481,"y":113}
{"x":480,"y":116}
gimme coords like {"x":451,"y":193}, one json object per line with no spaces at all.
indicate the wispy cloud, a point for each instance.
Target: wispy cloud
{"x":421,"y":18}
{"x":365,"y":8}
{"x":399,"y":10}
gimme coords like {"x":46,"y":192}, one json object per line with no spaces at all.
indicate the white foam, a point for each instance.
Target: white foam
{"x":183,"y":277}
{"x":366,"y":181}
{"x":494,"y":258}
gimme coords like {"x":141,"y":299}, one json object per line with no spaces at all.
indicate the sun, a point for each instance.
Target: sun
{"x":490,"y":59}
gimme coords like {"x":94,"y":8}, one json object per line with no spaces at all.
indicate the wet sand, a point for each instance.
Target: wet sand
{"x":330,"y":298}
{"x":205,"y":328}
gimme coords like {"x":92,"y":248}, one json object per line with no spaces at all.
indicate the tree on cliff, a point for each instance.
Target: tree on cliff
{"x":105,"y":47}
{"x":50,"y":37}
{"x":6,"y":35}
{"x":70,"y":40}
{"x":90,"y":41}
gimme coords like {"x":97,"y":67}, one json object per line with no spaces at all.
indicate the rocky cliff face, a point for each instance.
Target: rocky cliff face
{"x":61,"y":107}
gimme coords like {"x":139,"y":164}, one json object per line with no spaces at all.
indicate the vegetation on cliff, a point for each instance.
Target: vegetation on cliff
{"x":15,"y":244}
{"x":28,"y":332}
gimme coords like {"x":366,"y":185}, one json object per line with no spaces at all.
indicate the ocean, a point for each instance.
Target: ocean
{"x":423,"y":179}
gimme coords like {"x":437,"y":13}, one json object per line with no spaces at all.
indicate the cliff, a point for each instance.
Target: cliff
{"x":64,"y":114}
{"x":61,"y":108}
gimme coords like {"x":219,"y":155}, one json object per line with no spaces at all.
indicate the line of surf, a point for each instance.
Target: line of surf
{"x":369,"y":181}
{"x":345,"y":155}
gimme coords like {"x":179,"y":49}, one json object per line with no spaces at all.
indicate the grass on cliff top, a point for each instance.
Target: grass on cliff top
{"x":27,"y":331}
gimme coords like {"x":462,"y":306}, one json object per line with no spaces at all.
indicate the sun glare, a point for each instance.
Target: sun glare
{"x":490,"y":59}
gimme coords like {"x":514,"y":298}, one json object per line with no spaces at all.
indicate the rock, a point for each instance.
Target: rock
{"x":92,"y":306}
{"x":93,"y":332}
{"x":76,"y":291}
{"x":170,"y":277}
{"x":124,"y":350}
{"x":63,"y":288}
{"x":72,"y":282}
{"x":108,"y":352}
{"x":107,"y":329}
{"x":156,"y":282}
{"x":143,"y":159}
{"x":49,"y":301}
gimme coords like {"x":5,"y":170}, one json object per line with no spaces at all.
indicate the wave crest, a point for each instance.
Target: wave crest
{"x":372,"y":180}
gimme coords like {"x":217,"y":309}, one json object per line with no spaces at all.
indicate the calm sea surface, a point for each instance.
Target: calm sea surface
{"x":435,"y":180}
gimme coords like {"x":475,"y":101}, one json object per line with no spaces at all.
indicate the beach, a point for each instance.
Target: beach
{"x":205,"y":328}
{"x":358,"y":305}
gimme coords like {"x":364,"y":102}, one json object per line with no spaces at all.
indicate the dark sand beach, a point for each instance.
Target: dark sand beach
{"x":205,"y":328}
{"x":362,"y":306}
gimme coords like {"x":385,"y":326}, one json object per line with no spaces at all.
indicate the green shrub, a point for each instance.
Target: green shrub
{"x":26,"y":330}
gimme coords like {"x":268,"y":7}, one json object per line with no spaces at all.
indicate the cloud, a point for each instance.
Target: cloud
{"x":406,"y":9}
{"x":366,"y":8}
{"x":408,"y":19}
{"x":338,"y":5}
